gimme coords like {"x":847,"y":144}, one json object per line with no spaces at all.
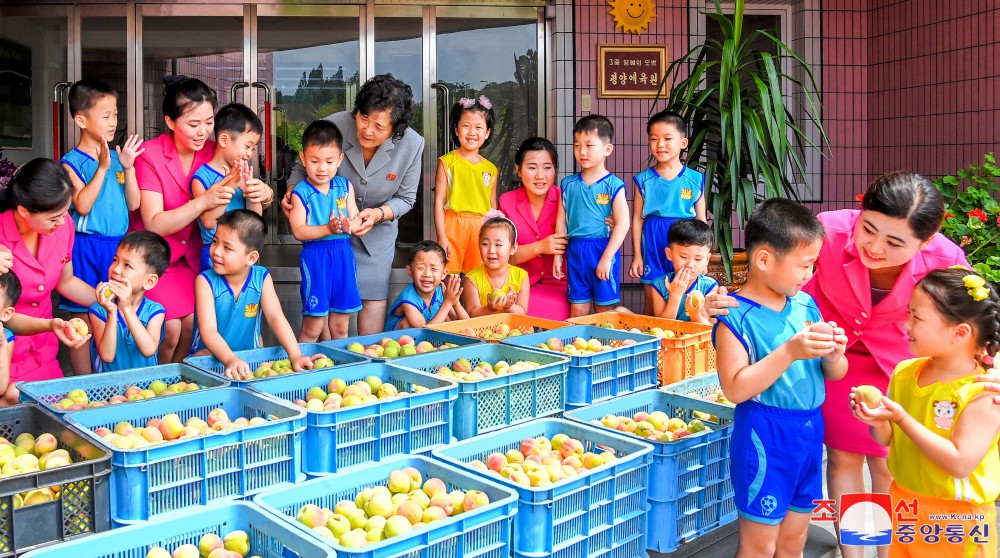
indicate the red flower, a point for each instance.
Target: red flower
{"x":948,"y":215}
{"x":978,"y":214}
{"x":998,"y":219}
{"x":859,"y":197}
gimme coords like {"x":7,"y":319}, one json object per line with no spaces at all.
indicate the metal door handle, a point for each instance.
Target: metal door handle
{"x":284,"y":137}
{"x":236,"y":87}
{"x":57,"y":102}
{"x":439,"y":86}
{"x":267,"y":124}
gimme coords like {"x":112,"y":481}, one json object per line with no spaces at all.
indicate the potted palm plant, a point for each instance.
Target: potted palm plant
{"x":745,"y":137}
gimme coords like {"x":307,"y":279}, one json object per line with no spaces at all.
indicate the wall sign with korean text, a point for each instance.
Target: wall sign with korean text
{"x":630,"y":71}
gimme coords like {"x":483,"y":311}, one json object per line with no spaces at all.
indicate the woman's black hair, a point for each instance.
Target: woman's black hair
{"x":183,"y":94}
{"x":472,"y":105}
{"x":39,"y":186}
{"x":536,"y":144}
{"x":907,"y":195}
{"x":955,"y":303}
{"x":384,"y":92}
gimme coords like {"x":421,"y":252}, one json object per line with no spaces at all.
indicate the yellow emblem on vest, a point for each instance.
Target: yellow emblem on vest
{"x":603,"y":199}
{"x":120,"y":176}
{"x":807,"y":324}
{"x":250,"y":311}
{"x":341,"y":203}
{"x":686,"y":193}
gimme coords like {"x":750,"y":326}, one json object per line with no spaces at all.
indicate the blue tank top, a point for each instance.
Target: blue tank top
{"x":762,"y":330}
{"x":9,"y":335}
{"x":127,"y":354}
{"x":208,"y":178}
{"x":109,"y":215}
{"x":412,"y":297}
{"x":320,"y":206}
{"x":703,"y":283}
{"x":237,"y":316}
{"x":670,"y":198}
{"x":588,"y":206}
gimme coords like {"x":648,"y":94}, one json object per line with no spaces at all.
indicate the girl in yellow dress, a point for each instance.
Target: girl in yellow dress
{"x":940,"y":427}
{"x":496,"y":286}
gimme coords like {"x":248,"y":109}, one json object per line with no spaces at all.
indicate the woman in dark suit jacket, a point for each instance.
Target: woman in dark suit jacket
{"x":382,"y":159}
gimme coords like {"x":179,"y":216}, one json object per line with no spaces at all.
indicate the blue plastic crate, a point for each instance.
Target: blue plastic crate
{"x":256,"y":357}
{"x":494,"y":403}
{"x":365,"y":433}
{"x":436,"y":338}
{"x":682,"y":506}
{"x":169,"y":476}
{"x":103,"y":386}
{"x":607,"y":374}
{"x":483,"y":533}
{"x":269,"y":536}
{"x":700,"y":387}
{"x":601,"y":512}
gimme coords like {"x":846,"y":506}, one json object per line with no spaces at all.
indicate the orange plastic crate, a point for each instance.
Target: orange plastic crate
{"x":681,"y":357}
{"x":527,"y":324}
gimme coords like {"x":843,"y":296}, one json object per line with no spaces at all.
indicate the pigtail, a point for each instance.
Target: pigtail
{"x":992,"y":315}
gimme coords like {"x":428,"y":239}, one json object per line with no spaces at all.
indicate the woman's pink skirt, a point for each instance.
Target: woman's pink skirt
{"x":548,"y":300}
{"x":175,"y":290}
{"x":843,"y":431}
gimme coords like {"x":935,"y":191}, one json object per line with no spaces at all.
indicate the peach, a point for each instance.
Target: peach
{"x":132,"y":390}
{"x":640,"y":416}
{"x":871,"y":395}
{"x":477,"y":464}
{"x":557,"y":441}
{"x":217,"y":415}
{"x":116,"y":399}
{"x":411,"y":510}
{"x":76,"y":329}
{"x":208,"y":543}
{"x":457,"y":498}
{"x":626,"y":425}
{"x":434,"y":513}
{"x":170,"y":426}
{"x":406,"y":340}
{"x":399,"y":481}
{"x":434,"y":486}
{"x":592,"y":460}
{"x":496,"y":461}
{"x":420,"y":498}
{"x":572,"y":446}
{"x":158,"y":552}
{"x":610,"y":421}
{"x":442,"y":500}
{"x":520,"y":478}
{"x":573,"y":461}
{"x":397,"y":525}
{"x":102,"y":432}
{"x":310,"y":515}
{"x":237,"y":541}
{"x":124,"y":428}
{"x":186,"y":551}
{"x":475,"y":499}
{"x":529,"y":447}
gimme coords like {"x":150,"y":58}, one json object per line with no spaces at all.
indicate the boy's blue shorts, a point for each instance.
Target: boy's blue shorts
{"x":92,"y":257}
{"x":329,"y":278}
{"x":654,"y":240}
{"x":776,"y":461}
{"x":582,"y":257}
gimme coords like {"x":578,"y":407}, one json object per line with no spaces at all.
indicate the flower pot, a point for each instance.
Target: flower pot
{"x":741,"y":265}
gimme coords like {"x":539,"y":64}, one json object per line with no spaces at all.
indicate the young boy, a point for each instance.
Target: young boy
{"x":774,"y":352}
{"x":230,"y":297}
{"x":322,"y":215}
{"x":127,"y":326}
{"x":11,"y":292}
{"x":237,"y":132}
{"x":588,"y":199}
{"x":665,"y":192}
{"x":105,"y":191}
{"x":427,"y":300}
{"x":680,"y":294}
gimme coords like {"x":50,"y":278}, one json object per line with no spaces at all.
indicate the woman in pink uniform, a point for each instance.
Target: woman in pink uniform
{"x":870,"y":262}
{"x":533,"y":208}
{"x":35,"y":227}
{"x":164,"y":174}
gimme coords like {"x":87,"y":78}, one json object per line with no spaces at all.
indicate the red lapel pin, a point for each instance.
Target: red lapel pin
{"x":390,"y":176}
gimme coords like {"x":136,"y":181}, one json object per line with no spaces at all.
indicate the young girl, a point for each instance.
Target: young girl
{"x":941,"y":432}
{"x":465,"y":184}
{"x":496,"y":286}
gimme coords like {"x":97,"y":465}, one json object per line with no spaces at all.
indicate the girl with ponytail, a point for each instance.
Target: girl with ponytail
{"x":36,"y":228}
{"x":941,"y":427}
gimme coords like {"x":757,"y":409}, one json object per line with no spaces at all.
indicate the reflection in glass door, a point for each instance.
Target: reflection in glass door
{"x":103,"y":41}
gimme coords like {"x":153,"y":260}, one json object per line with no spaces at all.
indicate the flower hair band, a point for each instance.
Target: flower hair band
{"x":485,"y":102}
{"x":976,"y":286}
{"x":468,"y":103}
{"x":497,"y":214}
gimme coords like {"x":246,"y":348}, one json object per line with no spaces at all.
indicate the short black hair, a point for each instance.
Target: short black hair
{"x":322,"y":133}
{"x":152,"y":247}
{"x":668,"y":117}
{"x":596,"y":123}
{"x":84,"y":93}
{"x":690,"y":232}
{"x":499,"y":223}
{"x":182,"y":94}
{"x":427,"y":246}
{"x":384,"y":92}
{"x":782,"y":224}
{"x":249,"y":227}
{"x":237,"y":119}
{"x":907,"y":195}
{"x":11,"y":287}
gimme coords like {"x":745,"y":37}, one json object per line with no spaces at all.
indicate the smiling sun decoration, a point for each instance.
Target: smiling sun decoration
{"x":633,"y":16}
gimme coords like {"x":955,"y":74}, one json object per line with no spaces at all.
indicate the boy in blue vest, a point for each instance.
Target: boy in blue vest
{"x":588,"y":199}
{"x":680,"y":294}
{"x":10,"y":292}
{"x":230,"y":297}
{"x":127,"y":326}
{"x":774,"y":354}
{"x":105,"y":191}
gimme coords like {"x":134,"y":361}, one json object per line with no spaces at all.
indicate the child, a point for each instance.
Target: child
{"x":496,"y":286}
{"x":323,"y":205}
{"x":230,"y":297}
{"x":11,"y":287}
{"x":426,"y":300}
{"x":465,"y":184}
{"x":774,"y":351}
{"x":127,"y":326}
{"x":939,"y":424}
{"x":237,"y":132}
{"x":680,"y":294}
{"x":105,"y":191}
{"x":665,"y":192}
{"x":588,"y":199}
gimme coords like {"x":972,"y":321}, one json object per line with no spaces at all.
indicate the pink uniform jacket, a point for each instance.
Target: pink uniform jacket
{"x":516,"y":207}
{"x":842,"y":290}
